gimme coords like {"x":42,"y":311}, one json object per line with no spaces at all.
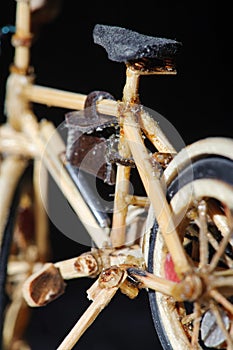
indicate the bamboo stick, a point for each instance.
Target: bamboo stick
{"x":216,"y":295}
{"x":138,"y":200}
{"x":43,"y":286}
{"x":219,"y":217}
{"x":40,"y":179}
{"x":64,"y":99}
{"x":156,"y":194}
{"x":218,"y":317}
{"x":218,"y":254}
{"x":155,"y":134}
{"x":84,"y":265}
{"x":101,"y":300}
{"x":47,"y":282}
{"x":196,"y":326}
{"x":148,"y":280}
{"x":130,"y":92}
{"x":11,"y":169}
{"x":72,"y":100}
{"x":213,"y":241}
{"x":203,"y":246}
{"x":118,"y":231}
{"x":67,"y":268}
{"x":15,"y":147}
{"x":17,"y":107}
{"x":88,"y":264}
{"x":15,"y":143}
{"x":18,"y":267}
{"x":22,"y":37}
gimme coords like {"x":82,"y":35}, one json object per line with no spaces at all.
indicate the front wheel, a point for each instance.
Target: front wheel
{"x":201,"y":196}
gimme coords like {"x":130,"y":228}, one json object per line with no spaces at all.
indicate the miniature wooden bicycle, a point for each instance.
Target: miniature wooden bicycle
{"x":176,"y":241}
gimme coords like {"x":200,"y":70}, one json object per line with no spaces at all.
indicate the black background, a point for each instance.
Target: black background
{"x":197,"y":101}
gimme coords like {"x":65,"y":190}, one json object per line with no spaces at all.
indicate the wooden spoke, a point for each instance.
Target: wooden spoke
{"x":196,"y":326}
{"x":216,"y":257}
{"x":148,"y":280}
{"x":203,"y":239}
{"x":101,"y":298}
{"x":219,"y":319}
{"x":218,"y":297}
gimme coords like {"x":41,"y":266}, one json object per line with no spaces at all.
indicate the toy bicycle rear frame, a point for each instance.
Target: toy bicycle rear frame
{"x":190,"y":284}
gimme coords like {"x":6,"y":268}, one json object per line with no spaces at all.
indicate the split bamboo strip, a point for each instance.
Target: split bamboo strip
{"x":102,"y":299}
{"x":10,"y":172}
{"x":155,"y":193}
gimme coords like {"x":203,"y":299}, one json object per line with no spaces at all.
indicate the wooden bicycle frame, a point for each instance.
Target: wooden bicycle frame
{"x":21,"y":91}
{"x":23,"y":135}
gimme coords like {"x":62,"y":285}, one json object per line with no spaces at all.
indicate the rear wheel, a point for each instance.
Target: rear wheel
{"x":20,"y":256}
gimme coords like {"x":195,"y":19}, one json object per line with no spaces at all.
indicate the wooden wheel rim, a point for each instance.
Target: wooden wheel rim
{"x":196,"y":190}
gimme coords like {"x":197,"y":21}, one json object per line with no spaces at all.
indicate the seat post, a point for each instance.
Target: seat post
{"x":130,"y":91}
{"x":130,"y":96}
{"x":143,"y":67}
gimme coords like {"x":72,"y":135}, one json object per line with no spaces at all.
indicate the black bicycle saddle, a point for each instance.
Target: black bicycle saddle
{"x":124,"y":45}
